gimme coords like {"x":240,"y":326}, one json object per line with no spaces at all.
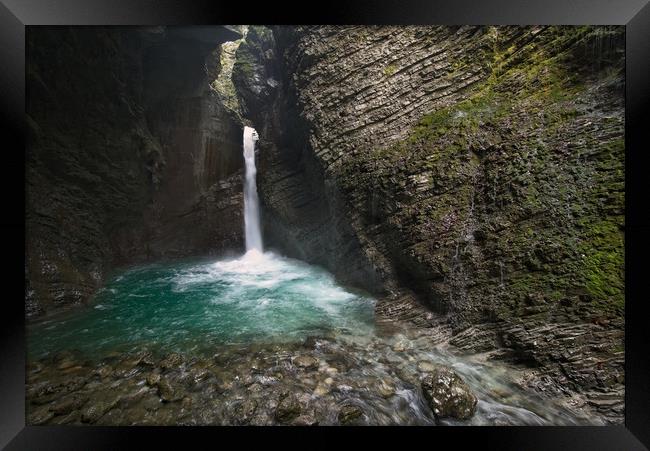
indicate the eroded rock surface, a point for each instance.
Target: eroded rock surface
{"x":480,"y":167}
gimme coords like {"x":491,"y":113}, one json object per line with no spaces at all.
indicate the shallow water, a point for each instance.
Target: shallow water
{"x":246,"y":320}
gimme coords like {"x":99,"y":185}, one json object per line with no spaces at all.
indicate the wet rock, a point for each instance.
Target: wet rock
{"x":40,"y":416}
{"x":448,"y":395}
{"x":47,"y":391}
{"x":187,"y":402}
{"x":67,"y":363}
{"x":288,"y":408}
{"x":104,"y":371}
{"x":63,"y":356}
{"x":133,"y":398}
{"x":67,"y":404}
{"x":243,"y":412}
{"x":153,"y":379}
{"x":151,"y":402}
{"x":305,"y":420}
{"x":42,"y":393}
{"x":145,"y":358}
{"x":306,"y":362}
{"x":95,"y":410}
{"x":201,"y":375}
{"x":126,"y":368}
{"x":167,"y":392}
{"x":171,"y":361}
{"x":349,"y":414}
{"x":114,"y":417}
{"x":321,"y":389}
{"x":426,"y":367}
{"x":73,"y":417}
{"x":135,"y":416}
{"x":386,"y":389}
{"x":400,"y":346}
{"x":112,"y":357}
{"x":255,"y":388}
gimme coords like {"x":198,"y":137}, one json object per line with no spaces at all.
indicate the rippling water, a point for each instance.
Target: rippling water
{"x":206,"y":308}
{"x":193,"y":306}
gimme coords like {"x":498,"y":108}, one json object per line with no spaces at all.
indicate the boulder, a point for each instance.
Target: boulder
{"x":448,"y":395}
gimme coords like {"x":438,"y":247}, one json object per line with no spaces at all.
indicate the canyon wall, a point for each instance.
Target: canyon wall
{"x":131,"y":154}
{"x":477,"y":170}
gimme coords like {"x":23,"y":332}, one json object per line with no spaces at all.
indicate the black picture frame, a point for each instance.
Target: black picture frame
{"x":15,"y":15}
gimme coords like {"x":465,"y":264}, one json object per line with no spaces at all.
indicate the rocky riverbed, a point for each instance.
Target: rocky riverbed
{"x":400,"y":376}
{"x":472,"y":178}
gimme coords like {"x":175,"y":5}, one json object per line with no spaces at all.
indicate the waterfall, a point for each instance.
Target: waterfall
{"x":251,"y":201}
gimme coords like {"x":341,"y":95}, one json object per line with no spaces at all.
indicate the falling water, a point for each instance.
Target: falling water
{"x":261,"y":311}
{"x":251,"y":201}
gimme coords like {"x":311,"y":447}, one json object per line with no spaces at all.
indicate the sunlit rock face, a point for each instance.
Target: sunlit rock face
{"x":481,"y":167}
{"x":131,"y":155}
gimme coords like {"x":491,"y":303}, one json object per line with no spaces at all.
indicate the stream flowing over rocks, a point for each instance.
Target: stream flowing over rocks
{"x":470,"y":176}
{"x":396,"y":377}
{"x":441,"y":207}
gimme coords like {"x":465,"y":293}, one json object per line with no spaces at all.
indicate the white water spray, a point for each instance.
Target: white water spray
{"x":251,"y":201}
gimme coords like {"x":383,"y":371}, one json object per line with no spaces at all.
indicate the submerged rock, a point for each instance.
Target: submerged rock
{"x":153,"y":379}
{"x":287,"y":409}
{"x":321,"y":389}
{"x":243,"y":412}
{"x":173,"y":360}
{"x":448,"y":395}
{"x":306,"y":361}
{"x":67,"y":404}
{"x":305,"y":420}
{"x":40,"y":416}
{"x":167,"y":392}
{"x":426,"y":367}
{"x":96,"y":410}
{"x":386,"y":389}
{"x":349,"y":414}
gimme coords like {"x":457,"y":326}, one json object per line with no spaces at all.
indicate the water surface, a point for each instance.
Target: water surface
{"x":197,"y":305}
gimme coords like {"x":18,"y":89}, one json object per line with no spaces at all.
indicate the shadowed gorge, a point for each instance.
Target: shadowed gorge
{"x":326,"y":225}
{"x":139,"y":164}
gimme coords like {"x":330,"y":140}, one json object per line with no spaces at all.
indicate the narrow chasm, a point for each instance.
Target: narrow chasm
{"x":325,"y":225}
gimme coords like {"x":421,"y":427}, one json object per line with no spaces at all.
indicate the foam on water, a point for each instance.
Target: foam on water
{"x":258,"y":297}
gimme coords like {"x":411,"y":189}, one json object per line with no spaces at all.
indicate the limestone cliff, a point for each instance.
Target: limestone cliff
{"x":131,"y":154}
{"x":481,"y":167}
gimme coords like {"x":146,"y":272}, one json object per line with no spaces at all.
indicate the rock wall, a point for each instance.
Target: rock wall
{"x":303,"y":214}
{"x":480,"y":167}
{"x":131,"y":155}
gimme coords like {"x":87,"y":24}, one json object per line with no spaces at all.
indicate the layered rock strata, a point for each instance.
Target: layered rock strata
{"x":481,"y":167}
